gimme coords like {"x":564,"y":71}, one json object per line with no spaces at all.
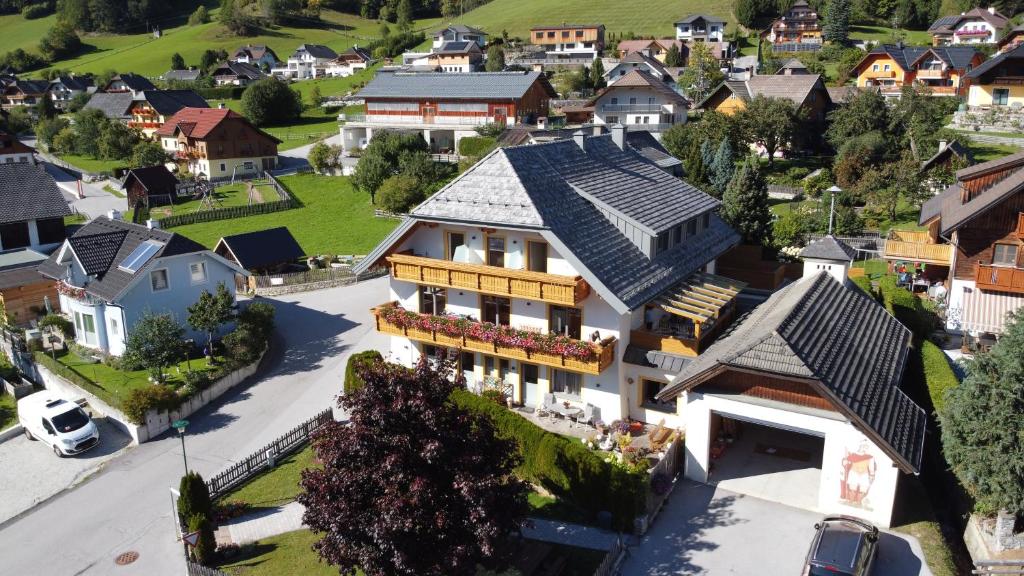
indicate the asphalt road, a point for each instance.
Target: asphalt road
{"x":127,"y":506}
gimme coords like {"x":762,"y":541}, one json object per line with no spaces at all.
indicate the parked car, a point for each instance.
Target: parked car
{"x":842,"y":546}
{"x":58,"y":422}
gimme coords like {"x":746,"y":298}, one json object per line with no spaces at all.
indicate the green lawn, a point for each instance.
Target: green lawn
{"x":872,"y":268}
{"x":884,"y":34}
{"x":18,"y":32}
{"x":76,"y":218}
{"x":226,"y":197}
{"x":93,"y":165}
{"x":550,"y":507}
{"x":984,"y":152}
{"x":111,"y":385}
{"x":113,"y":191}
{"x":277,"y":486}
{"x":334,"y":218}
{"x":8,"y":411}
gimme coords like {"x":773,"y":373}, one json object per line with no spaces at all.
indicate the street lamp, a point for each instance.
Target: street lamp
{"x":180,"y":426}
{"x":832,"y":207}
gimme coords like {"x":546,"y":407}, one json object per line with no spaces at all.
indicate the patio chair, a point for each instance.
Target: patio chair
{"x":550,"y":405}
{"x":587,"y":416}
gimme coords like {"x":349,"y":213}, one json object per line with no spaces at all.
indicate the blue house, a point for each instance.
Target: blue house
{"x":110,"y":273}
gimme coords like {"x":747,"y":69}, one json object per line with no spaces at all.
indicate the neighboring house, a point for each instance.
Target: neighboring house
{"x":25,"y":295}
{"x":979,"y":26}
{"x":446,"y":106}
{"x":839,"y":95}
{"x":150,"y":185}
{"x":890,"y":67}
{"x":111,"y":273}
{"x":114,"y":105}
{"x":236,"y":74}
{"x":458,"y":33}
{"x":996,"y":82}
{"x":217,"y":143}
{"x":700,"y":28}
{"x":32,"y":208}
{"x":24,"y":93}
{"x":950,"y":155}
{"x":639,"y":101}
{"x":829,"y":255}
{"x":583,"y":238}
{"x":130,"y":83}
{"x":743,"y":67}
{"x":150,"y":112}
{"x":814,"y":372}
{"x":261,"y":252}
{"x":349,"y":62}
{"x":798,"y":30}
{"x":190,"y":75}
{"x":258,"y":55}
{"x":576,"y":40}
{"x":982,"y":216}
{"x":13,"y":151}
{"x":656,"y":49}
{"x":637,"y":61}
{"x":792,"y":66}
{"x":63,"y":89}
{"x":807,"y":91}
{"x":308,"y":61}
{"x":457,"y":57}
{"x":1011,"y":40}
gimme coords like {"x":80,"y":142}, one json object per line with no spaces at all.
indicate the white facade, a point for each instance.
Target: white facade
{"x":974,"y":31}
{"x":341,"y":69}
{"x":700,"y":31}
{"x":835,"y":269}
{"x":453,"y":35}
{"x":851,"y":462}
{"x":638,"y":108}
{"x":18,"y":157}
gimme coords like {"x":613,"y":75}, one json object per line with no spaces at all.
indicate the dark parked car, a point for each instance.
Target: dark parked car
{"x":842,"y":546}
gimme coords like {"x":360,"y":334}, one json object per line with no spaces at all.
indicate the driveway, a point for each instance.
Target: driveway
{"x":31,"y":473}
{"x":704,"y":530}
{"x":127,"y":507}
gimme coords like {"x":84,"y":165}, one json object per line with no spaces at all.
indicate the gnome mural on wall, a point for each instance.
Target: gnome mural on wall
{"x":859,"y":469}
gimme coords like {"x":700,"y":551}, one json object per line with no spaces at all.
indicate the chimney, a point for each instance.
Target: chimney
{"x":542,"y":122}
{"x":619,"y":135}
{"x":221,"y":106}
{"x":580,"y":139}
{"x":114,"y":215}
{"x":991,"y":9}
{"x":598,"y":129}
{"x":942,"y":145}
{"x":153,"y":224}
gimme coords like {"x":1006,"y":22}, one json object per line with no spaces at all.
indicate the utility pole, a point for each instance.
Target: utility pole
{"x":832,"y":206}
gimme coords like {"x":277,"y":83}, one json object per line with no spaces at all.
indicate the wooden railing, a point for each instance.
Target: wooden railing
{"x":604,"y":358}
{"x":1020,"y":225}
{"x":916,"y":245}
{"x":664,"y":343}
{"x":1000,"y":278}
{"x":553,"y":288}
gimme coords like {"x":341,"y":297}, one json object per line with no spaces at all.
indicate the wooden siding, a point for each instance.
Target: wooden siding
{"x":590,"y":34}
{"x":769,"y":388}
{"x":18,"y":302}
{"x":976,"y":239}
{"x":1000,"y":279}
{"x":232,"y":138}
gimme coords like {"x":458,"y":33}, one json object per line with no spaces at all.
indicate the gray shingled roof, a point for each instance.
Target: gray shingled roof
{"x":953,"y":148}
{"x":114,"y":105}
{"x":182,"y":75}
{"x":135,"y":81}
{"x":671,"y":363}
{"x":263,"y":248}
{"x":168,"y":102}
{"x":460,"y":47}
{"x":958,"y":57}
{"x":953,"y":213}
{"x":820,"y":329}
{"x":460,"y":28}
{"x":317,"y":51}
{"x":239,"y":70}
{"x":828,"y":248}
{"x":27,"y":192}
{"x":994,"y":62}
{"x":944,"y":24}
{"x":648,"y":146}
{"x":102,"y":244}
{"x":453,"y":85}
{"x":560,"y":190}
{"x":691,"y":17}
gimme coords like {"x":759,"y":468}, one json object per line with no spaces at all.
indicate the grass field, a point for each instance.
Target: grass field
{"x":882,"y":34}
{"x":226,"y":196}
{"x":985,"y":152}
{"x":93,"y":165}
{"x":8,"y":411}
{"x":277,"y":486}
{"x":334,"y":218}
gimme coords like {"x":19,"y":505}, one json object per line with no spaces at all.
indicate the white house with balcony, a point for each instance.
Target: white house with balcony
{"x":700,"y":28}
{"x":111,"y":273}
{"x":446,"y":107}
{"x":458,"y":33}
{"x":575,"y":267}
{"x":977,"y":26}
{"x":308,"y":61}
{"x":640,"y":101}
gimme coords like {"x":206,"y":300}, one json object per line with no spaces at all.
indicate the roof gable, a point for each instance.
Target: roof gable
{"x":262,"y":248}
{"x":27,"y":192}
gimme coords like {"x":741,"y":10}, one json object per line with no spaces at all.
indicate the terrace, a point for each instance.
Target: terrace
{"x":917,"y":246}
{"x":687,"y":318}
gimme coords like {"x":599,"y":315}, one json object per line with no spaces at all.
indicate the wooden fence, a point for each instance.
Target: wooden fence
{"x":668,"y":468}
{"x":338,"y":276}
{"x":267,"y":456}
{"x":608,"y":565}
{"x":1005,"y":567}
{"x":200,"y":570}
{"x":285,"y":201}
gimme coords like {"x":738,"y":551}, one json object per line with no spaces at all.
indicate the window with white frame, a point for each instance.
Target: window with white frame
{"x":566,"y":383}
{"x":197,"y":272}
{"x":1004,"y":255}
{"x":158,"y":280}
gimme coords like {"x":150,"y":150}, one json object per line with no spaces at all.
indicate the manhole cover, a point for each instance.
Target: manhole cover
{"x":126,"y":558}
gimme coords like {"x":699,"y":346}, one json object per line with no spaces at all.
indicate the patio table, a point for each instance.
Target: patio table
{"x":569,"y":413}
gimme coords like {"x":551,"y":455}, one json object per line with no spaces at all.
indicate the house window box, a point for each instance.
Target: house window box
{"x":502,"y":341}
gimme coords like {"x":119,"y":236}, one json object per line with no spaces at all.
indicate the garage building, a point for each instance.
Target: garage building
{"x":800,"y":403}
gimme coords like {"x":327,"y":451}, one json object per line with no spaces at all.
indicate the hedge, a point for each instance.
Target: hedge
{"x":905,"y":307}
{"x":938,"y":374}
{"x":864,"y":283}
{"x":226,"y":213}
{"x":565,"y":467}
{"x":358,"y":360}
{"x":220,"y":92}
{"x":477,"y":146}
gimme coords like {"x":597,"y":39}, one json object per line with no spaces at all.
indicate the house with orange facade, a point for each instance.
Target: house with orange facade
{"x":890,"y":67}
{"x":217,"y":143}
{"x":446,"y":106}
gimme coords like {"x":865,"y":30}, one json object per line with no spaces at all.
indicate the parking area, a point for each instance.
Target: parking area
{"x":709,"y":530}
{"x":31,"y":473}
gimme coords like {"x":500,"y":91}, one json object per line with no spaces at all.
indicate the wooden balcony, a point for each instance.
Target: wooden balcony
{"x":1000,"y":278}
{"x":552,"y":288}
{"x":916,"y":246}
{"x":664,"y":343}
{"x":602,"y":359}
{"x":1020,"y":225}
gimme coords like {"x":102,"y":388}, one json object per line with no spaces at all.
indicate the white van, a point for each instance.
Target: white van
{"x":60,"y":423}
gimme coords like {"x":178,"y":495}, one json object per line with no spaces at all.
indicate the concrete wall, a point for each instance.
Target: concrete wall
{"x":842,"y":440}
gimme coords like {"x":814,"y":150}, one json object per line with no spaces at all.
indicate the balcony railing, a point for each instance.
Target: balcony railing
{"x":669,"y":344}
{"x":1000,"y":278}
{"x":637,"y":108}
{"x":932,"y":73}
{"x":463,"y":334}
{"x":1020,"y":224}
{"x":918,"y":247}
{"x":552,"y":288}
{"x":406,"y":120}
{"x":659,"y":127}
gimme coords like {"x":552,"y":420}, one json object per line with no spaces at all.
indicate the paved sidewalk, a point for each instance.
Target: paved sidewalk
{"x":570,"y":534}
{"x":262,"y":524}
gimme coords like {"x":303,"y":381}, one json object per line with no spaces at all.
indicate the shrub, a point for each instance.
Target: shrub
{"x":34,"y":11}
{"x":938,"y":374}
{"x":7,"y":371}
{"x":242,"y":346}
{"x":357,"y":362}
{"x":477,"y":146}
{"x":206,"y":547}
{"x":258,"y":317}
{"x":271,"y":101}
{"x":904,"y":306}
{"x":495,"y":396}
{"x":141,"y":400}
{"x":200,"y":16}
{"x":864,"y":283}
{"x":399,"y":194}
{"x":59,"y":324}
{"x":566,"y":468}
{"x":194,"y":496}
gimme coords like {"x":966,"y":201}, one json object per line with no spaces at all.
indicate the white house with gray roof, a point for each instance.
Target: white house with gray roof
{"x":308,"y":61}
{"x":446,"y":107}
{"x":576,"y":267}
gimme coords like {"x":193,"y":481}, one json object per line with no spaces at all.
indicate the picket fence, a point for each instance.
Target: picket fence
{"x":285,"y":201}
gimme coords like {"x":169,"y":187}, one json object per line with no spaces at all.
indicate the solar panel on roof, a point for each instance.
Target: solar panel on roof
{"x":142,"y":254}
